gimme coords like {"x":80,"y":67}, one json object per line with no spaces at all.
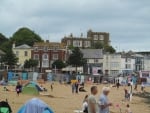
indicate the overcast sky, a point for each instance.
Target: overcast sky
{"x":127,"y":21}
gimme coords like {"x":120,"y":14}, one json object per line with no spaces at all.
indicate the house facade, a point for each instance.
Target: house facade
{"x":94,"y":59}
{"x":86,"y":42}
{"x":22,"y":52}
{"x":80,"y":42}
{"x":111,"y":64}
{"x":127,"y":64}
{"x":48,"y":52}
{"x":102,"y":37}
{"x":146,"y":63}
{"x":139,"y":62}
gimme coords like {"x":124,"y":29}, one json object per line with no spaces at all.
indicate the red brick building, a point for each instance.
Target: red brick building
{"x":48,"y":52}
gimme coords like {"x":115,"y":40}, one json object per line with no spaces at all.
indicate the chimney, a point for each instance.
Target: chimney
{"x":71,"y":35}
{"x":81,"y":35}
{"x":47,"y":41}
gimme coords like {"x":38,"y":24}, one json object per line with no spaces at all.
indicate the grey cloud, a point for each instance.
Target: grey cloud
{"x":126,"y":20}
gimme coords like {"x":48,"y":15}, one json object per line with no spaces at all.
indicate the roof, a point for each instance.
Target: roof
{"x":49,"y":44}
{"x":92,"y":53}
{"x":138,"y":55}
{"x":24,"y":46}
{"x":75,"y":38}
{"x":1,"y":52}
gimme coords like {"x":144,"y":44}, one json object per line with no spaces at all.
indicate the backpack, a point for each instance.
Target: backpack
{"x":4,"y":107}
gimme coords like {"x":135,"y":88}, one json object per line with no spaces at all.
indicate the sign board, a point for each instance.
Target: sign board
{"x":95,"y":70}
{"x":146,"y":76}
{"x":48,"y":71}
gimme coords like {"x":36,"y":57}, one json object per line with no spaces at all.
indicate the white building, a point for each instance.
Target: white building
{"x":127,"y":64}
{"x":147,"y":63}
{"x":94,"y":59}
{"x":111,"y":64}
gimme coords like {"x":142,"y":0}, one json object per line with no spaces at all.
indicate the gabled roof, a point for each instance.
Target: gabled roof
{"x":92,"y":53}
{"x":24,"y":46}
{"x":1,"y":52}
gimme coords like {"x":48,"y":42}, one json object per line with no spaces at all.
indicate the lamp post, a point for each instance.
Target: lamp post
{"x":55,"y":69}
{"x":0,"y":62}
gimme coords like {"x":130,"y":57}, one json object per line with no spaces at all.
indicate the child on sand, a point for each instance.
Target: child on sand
{"x":127,"y":95}
{"x":52,"y":87}
{"x":18,"y":88}
{"x":142,"y":87}
{"x":85,"y":105}
{"x":118,"y":84}
{"x":128,"y":110}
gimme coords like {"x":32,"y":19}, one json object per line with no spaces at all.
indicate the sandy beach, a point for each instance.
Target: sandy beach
{"x":63,"y":101}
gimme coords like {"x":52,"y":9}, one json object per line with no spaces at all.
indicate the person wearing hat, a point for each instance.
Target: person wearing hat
{"x":104,"y":103}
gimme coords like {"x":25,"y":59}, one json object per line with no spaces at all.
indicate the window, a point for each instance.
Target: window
{"x":128,"y":66}
{"x":36,"y":49}
{"x":45,"y":56}
{"x":17,"y":53}
{"x":114,"y":72}
{"x":25,"y":53}
{"x":101,"y":37}
{"x":77,"y":43}
{"x":68,"y":43}
{"x":95,"y":37}
{"x":87,"y":44}
{"x":128,"y":60}
{"x":96,"y":61}
{"x":45,"y":63}
{"x":36,"y":56}
{"x":87,"y":60}
{"x":114,"y":64}
{"x":55,"y":56}
{"x":45,"y":48}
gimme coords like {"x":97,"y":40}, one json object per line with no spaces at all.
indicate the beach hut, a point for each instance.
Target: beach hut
{"x":32,"y":88}
{"x":24,"y":76}
{"x":35,"y":105}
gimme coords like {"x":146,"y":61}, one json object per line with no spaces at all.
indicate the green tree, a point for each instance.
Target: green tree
{"x":76,"y":58}
{"x":106,"y":48}
{"x":25,"y":36}
{"x":10,"y":59}
{"x":59,"y":64}
{"x":98,"y":45}
{"x":31,"y":63}
{"x":109,"y":49}
{"x":27,"y":64}
{"x":3,"y":38}
{"x":4,"y":43}
{"x":71,"y":47}
{"x":6,"y":46}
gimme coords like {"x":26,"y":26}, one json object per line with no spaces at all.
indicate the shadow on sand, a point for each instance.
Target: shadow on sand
{"x":145,"y":96}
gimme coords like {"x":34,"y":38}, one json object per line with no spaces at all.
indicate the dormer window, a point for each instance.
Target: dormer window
{"x":36,"y":49}
{"x":45,"y":48}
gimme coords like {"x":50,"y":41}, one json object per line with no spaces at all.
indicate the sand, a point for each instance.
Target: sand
{"x":63,"y":101}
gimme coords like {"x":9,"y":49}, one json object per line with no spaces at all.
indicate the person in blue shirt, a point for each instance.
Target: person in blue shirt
{"x":104,"y":103}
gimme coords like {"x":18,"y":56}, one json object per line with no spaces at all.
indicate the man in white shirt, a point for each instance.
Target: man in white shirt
{"x":104,"y":102}
{"x":92,"y":103}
